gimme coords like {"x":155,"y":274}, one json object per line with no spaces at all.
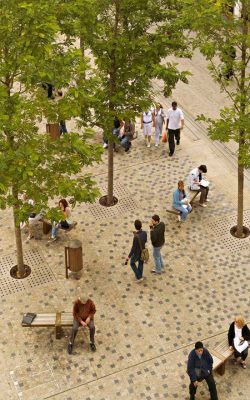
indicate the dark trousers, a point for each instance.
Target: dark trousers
{"x":243,"y":355}
{"x":63,"y":128}
{"x":211,"y":386}
{"x":138,"y":270}
{"x":75,"y":328}
{"x":204,"y":192}
{"x":173,"y":134}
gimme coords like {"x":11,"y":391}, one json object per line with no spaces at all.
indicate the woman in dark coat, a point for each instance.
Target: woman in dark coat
{"x":239,"y":329}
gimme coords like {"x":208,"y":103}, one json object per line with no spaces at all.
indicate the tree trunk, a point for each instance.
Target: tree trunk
{"x":243,"y":104}
{"x":110,"y":199}
{"x":19,"y":247}
{"x":239,"y":232}
{"x":112,"y":91}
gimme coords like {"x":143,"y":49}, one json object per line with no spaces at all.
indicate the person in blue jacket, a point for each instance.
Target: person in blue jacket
{"x":180,"y":202}
{"x":199,"y":367}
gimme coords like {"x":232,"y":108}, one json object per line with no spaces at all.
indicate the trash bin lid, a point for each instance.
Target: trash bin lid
{"x":74,"y":244}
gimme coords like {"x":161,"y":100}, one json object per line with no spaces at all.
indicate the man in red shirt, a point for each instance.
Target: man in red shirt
{"x":83,"y":312}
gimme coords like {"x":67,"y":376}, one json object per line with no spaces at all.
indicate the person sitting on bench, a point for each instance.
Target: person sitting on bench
{"x":180,"y":202}
{"x":127,"y":135}
{"x":64,"y":224}
{"x":200,"y":367}
{"x":196,"y":182}
{"x":83,"y":312}
{"x":239,"y":329}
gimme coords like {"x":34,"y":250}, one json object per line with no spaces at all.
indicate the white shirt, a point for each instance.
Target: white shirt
{"x":237,"y":331}
{"x":174,"y":118}
{"x":193,"y":176}
{"x":147,"y":117}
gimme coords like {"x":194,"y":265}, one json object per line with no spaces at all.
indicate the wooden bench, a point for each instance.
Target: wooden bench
{"x":47,"y":226}
{"x":221,"y":353}
{"x":173,"y":210}
{"x":56,"y":319}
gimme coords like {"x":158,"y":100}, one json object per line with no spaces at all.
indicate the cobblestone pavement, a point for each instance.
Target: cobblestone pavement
{"x":144,"y":332}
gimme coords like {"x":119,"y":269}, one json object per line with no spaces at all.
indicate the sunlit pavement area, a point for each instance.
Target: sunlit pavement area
{"x":144,"y":331}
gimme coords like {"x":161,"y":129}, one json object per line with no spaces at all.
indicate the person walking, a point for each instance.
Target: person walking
{"x":83,"y":311}
{"x":159,"y":122}
{"x":157,"y":235}
{"x":175,"y":122}
{"x":200,"y":367}
{"x":139,"y":240}
{"x":147,"y":122}
{"x":181,"y":203}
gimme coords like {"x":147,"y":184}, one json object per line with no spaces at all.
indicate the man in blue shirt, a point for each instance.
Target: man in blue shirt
{"x":200,"y":366}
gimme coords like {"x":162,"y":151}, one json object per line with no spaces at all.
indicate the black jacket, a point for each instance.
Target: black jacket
{"x":136,"y":249}
{"x":157,"y":234}
{"x":205,"y":364}
{"x":231,"y":334}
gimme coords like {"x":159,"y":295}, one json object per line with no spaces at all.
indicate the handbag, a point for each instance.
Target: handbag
{"x":144,"y":252}
{"x":164,"y":138}
{"x":28,"y":318}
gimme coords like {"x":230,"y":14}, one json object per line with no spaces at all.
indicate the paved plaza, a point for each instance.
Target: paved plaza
{"x":144,"y":331}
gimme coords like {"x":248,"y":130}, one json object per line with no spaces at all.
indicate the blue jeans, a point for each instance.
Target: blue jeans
{"x":158,"y":259}
{"x":125,"y":142}
{"x":184,"y":211}
{"x":137,"y":270}
{"x":56,"y":226}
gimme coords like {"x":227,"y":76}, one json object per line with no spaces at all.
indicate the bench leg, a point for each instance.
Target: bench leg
{"x":59,"y":332}
{"x":221,"y":369}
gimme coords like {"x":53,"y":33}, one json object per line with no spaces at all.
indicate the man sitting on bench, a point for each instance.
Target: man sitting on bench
{"x":196,"y":182}
{"x":83,"y":312}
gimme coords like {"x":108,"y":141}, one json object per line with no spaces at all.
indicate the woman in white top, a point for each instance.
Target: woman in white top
{"x":239,"y":329}
{"x":159,"y":122}
{"x":147,"y":121}
{"x":64,"y":224}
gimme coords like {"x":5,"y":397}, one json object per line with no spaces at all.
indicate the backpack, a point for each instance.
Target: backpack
{"x":144,"y":252}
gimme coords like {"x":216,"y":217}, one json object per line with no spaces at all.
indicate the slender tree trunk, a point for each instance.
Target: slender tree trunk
{"x":19,"y":246}
{"x":112,"y":90}
{"x":110,"y":199}
{"x":243,"y":104}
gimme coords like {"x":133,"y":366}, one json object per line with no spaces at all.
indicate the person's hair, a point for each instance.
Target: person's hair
{"x":180,"y":183}
{"x":198,"y":345}
{"x":240,"y":321}
{"x":138,"y":224}
{"x":203,"y":168}
{"x":156,"y":218}
{"x":174,"y":103}
{"x":64,"y":203}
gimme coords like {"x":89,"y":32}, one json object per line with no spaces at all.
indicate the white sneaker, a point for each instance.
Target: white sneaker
{"x":207,"y":200}
{"x":179,"y":218}
{"x":156,"y":144}
{"x":105,"y":145}
{"x":140,"y":280}
{"x":148,"y":145}
{"x":203,"y":205}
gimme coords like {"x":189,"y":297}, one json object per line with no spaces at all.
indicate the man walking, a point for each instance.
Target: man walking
{"x":157,"y":235}
{"x":83,"y":312}
{"x":140,"y":238}
{"x":200,"y":366}
{"x":175,"y":122}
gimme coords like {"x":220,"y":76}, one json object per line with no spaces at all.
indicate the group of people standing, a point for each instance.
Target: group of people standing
{"x":174,"y":119}
{"x":157,"y":236}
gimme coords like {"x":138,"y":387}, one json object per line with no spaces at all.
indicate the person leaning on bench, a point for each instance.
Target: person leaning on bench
{"x":239,"y":332}
{"x":181,"y":203}
{"x":196,"y":182}
{"x":200,"y":367}
{"x":83,"y":312}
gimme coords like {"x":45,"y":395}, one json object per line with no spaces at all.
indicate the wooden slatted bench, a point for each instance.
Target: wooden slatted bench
{"x":173,"y":210}
{"x":56,"y":319}
{"x":221,"y":353}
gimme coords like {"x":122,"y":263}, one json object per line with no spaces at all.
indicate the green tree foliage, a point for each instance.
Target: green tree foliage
{"x":31,"y":53}
{"x":225,"y":42}
{"x":129,"y":40}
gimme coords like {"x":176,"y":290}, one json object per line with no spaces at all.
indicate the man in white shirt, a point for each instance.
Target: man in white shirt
{"x":175,"y":122}
{"x":196,"y":182}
